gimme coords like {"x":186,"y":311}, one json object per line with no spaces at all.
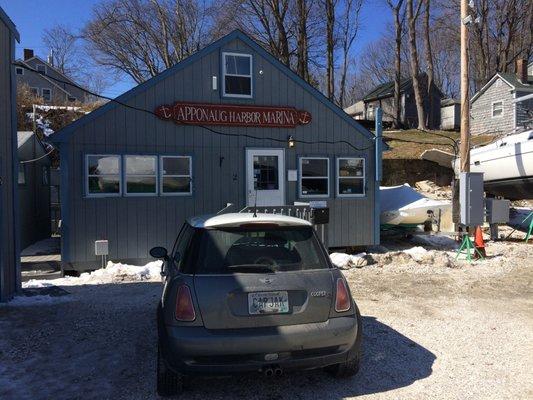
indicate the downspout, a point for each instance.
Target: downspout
{"x":378,"y":173}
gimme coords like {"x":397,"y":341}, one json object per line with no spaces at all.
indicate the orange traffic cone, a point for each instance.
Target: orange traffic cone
{"x":479,"y":243}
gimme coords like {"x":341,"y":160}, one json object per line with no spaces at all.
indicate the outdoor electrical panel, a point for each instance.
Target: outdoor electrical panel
{"x":101,"y":247}
{"x":471,"y":198}
{"x":497,"y":210}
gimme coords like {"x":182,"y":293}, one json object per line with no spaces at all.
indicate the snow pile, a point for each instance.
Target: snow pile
{"x":437,"y":241}
{"x":417,"y":253}
{"x":347,"y":261}
{"x":112,"y":273}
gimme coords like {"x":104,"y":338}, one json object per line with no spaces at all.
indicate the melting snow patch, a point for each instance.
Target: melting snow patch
{"x":346,"y":261}
{"x":113,"y":272}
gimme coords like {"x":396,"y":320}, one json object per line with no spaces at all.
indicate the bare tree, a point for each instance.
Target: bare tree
{"x":429,"y":63}
{"x":302,"y":14}
{"x":349,"y":27}
{"x":329,"y":7}
{"x":143,"y":37}
{"x":63,"y":46}
{"x":399,"y":17}
{"x":412,"y":15}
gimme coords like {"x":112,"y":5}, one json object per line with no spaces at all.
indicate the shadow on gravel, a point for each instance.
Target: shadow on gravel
{"x":102,"y":344}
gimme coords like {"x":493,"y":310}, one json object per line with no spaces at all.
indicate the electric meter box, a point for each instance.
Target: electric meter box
{"x":471,"y":198}
{"x":497,"y":211}
{"x":101,"y":247}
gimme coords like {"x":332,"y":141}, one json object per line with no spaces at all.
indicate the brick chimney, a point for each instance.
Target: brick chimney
{"x":521,"y":70}
{"x":28,"y":53}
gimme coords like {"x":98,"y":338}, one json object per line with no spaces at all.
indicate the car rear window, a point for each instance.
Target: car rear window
{"x":226,"y":251}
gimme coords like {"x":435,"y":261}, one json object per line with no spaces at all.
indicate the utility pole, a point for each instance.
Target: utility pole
{"x":464,"y":151}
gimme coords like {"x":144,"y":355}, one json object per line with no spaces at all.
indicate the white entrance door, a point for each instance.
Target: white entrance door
{"x":265,"y":173}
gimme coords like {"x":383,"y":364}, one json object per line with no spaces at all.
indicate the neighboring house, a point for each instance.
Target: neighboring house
{"x":492,"y":109}
{"x":132,"y":177}
{"x":450,"y":114}
{"x":49,"y":83}
{"x":383,"y":96}
{"x":9,"y":241}
{"x":34,"y":189}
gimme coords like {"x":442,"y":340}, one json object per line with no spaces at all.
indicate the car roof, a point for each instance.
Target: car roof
{"x":237,"y":219}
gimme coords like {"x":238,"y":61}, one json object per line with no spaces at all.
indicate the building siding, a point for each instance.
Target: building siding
{"x":481,"y":121}
{"x":450,"y":116}
{"x":134,"y":224}
{"x":9,"y":277}
{"x":523,"y":120}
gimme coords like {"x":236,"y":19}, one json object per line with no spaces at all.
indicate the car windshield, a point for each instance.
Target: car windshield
{"x":231,"y":250}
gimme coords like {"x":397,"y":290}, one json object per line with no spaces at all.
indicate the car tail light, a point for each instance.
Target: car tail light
{"x":184,"y":305}
{"x":342,"y":300}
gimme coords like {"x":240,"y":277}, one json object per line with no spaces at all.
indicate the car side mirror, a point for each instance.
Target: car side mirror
{"x":159,"y":252}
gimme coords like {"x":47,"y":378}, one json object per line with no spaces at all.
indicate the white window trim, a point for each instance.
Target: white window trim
{"x":42,"y":93}
{"x":492,"y":109}
{"x":242,"y":96}
{"x":17,"y":69}
{"x":162,"y":175}
{"x":36,"y":90}
{"x":337,"y":180}
{"x":135,"y":194}
{"x":87,"y":176}
{"x":300,"y":177}
{"x":45,"y":68}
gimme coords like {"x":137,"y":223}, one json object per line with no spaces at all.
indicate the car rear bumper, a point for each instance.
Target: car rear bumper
{"x":196,"y":350}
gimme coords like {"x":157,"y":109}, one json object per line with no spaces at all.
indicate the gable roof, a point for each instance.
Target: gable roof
{"x":44,"y":77}
{"x":510,"y":79}
{"x":63,"y":134}
{"x":48,"y":65}
{"x":387,"y":89}
{"x":7,"y":21}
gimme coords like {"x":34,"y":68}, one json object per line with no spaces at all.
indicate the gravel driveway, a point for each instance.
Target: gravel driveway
{"x":457,"y":334}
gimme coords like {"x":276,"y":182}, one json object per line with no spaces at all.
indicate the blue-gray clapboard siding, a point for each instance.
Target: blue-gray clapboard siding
{"x":133,"y":225}
{"x":9,"y":265}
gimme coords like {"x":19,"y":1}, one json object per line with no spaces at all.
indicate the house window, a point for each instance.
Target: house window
{"x":34,"y":91}
{"x":314,"y":177}
{"x":19,"y":70}
{"x":141,"y":175}
{"x":176,"y":175}
{"x":41,"y":68}
{"x":370,"y":111}
{"x":47,"y":94}
{"x":71,"y":98}
{"x":103,"y":175}
{"x":237,"y":75}
{"x":350,"y":177}
{"x":22,"y":174}
{"x":497,"y":109}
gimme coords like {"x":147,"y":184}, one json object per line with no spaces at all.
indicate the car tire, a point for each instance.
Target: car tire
{"x":169,"y":383}
{"x":345,"y":369}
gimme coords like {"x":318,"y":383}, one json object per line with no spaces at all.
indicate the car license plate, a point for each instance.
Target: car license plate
{"x":268,"y":302}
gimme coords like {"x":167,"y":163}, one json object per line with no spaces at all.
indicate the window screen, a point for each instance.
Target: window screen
{"x":314,"y":177}
{"x":350,"y":177}
{"x":141,"y":175}
{"x":176,"y":175}
{"x":103,"y":175}
{"x":237,"y":75}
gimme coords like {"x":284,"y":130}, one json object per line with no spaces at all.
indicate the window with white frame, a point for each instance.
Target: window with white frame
{"x":141,"y":175}
{"x":103,"y":175}
{"x":176,"y":175}
{"x":350,"y":177}
{"x":19,"y":70}
{"x":34,"y":91}
{"x":41,"y":68}
{"x":314,"y":177}
{"x":237,"y":75}
{"x":47,"y":94}
{"x":497,"y":109}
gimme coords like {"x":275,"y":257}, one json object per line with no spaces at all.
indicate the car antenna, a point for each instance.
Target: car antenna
{"x":255,"y":204}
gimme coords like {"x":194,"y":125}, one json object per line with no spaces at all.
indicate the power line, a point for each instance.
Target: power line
{"x":201,"y":126}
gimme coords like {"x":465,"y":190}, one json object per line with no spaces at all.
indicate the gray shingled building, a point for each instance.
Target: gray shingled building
{"x":132,"y":178}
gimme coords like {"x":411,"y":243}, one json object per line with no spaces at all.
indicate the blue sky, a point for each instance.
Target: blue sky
{"x":32,"y":17}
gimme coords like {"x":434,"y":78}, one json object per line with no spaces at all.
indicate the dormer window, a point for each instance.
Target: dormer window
{"x":41,"y":68}
{"x":237,"y":75}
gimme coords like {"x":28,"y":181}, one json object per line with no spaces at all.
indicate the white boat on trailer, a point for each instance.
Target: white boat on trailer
{"x":507,"y":166}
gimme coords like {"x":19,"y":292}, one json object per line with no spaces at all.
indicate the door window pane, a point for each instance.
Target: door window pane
{"x":266,"y":173}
